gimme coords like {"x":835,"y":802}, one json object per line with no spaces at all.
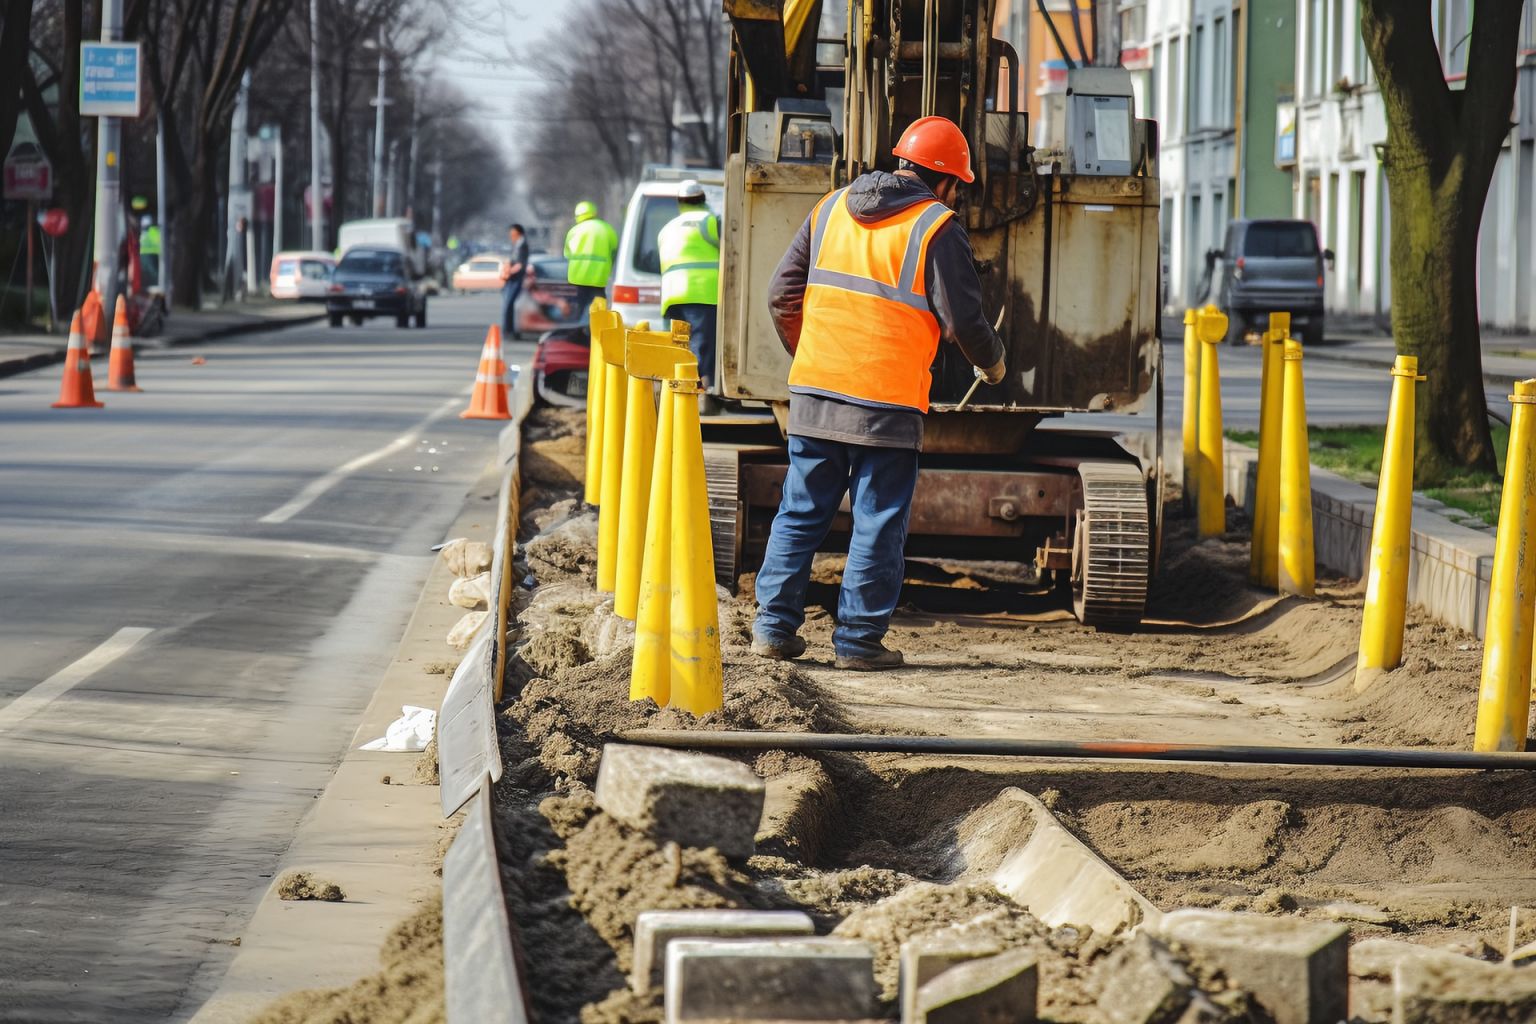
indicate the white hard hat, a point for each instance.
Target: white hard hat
{"x":690,"y":191}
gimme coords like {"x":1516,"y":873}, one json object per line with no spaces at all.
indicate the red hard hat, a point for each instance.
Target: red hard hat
{"x":937,"y":144}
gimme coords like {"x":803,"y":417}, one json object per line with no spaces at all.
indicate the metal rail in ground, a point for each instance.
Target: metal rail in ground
{"x":1115,"y":750}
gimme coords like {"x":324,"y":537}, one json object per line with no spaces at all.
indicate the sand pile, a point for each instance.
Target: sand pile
{"x":407,"y":990}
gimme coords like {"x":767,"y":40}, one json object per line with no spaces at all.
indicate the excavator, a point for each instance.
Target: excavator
{"x":1064,"y":225}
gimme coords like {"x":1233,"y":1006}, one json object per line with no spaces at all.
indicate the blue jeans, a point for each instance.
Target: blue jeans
{"x":700,"y":319}
{"x":509,"y":293}
{"x":879,"y":484}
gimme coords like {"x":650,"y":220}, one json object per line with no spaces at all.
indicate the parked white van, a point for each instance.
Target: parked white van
{"x":636,"y":282}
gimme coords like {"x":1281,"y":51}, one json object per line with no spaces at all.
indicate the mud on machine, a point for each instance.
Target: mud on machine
{"x":1065,"y":231}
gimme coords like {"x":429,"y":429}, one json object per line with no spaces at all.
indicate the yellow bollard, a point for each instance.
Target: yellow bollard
{"x":1191,"y":412}
{"x":650,"y":673}
{"x":1386,"y":587}
{"x":697,"y":681}
{"x":1263,"y":550}
{"x":1211,"y":503}
{"x":1296,"y":566}
{"x":644,"y":352}
{"x":598,"y":320}
{"x":615,"y":393}
{"x":1504,"y":697}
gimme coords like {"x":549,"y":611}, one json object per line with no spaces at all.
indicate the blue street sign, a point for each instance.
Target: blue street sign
{"x":109,"y":80}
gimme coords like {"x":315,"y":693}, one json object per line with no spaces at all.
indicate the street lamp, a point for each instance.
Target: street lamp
{"x":380,"y":101}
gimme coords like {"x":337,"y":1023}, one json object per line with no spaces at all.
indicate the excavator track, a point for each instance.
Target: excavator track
{"x":1111,"y":546}
{"x":721,"y":470}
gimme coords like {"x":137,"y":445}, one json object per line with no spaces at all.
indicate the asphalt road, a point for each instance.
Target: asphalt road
{"x":202,"y":586}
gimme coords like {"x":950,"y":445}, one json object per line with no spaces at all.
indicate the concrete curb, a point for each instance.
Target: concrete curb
{"x":482,"y":980}
{"x":1341,"y":354}
{"x":21,"y":364}
{"x":1450,"y":565}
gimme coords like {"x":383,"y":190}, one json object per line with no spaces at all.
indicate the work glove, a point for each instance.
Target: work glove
{"x":994,"y":373}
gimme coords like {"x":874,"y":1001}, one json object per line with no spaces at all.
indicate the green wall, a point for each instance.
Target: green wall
{"x":1271,"y":75}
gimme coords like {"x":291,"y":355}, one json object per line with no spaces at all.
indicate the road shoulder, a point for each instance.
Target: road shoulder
{"x":381,"y":843}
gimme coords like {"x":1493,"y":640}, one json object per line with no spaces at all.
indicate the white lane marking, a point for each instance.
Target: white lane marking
{"x":56,"y":685}
{"x":315,"y":488}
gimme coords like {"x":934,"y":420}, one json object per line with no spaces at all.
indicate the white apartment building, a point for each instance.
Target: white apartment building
{"x":1188,"y":57}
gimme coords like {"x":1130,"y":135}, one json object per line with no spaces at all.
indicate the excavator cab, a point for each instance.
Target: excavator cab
{"x":1064,"y":226}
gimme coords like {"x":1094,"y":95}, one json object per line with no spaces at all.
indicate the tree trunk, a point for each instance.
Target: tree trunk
{"x":1434,"y":316}
{"x":13,"y":56}
{"x":1442,"y":148}
{"x":191,"y":263}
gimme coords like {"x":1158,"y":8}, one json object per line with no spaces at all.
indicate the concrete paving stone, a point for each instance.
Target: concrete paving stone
{"x":997,"y":989}
{"x":1142,"y":982}
{"x":927,"y":956}
{"x":692,"y":799}
{"x":1459,"y":990}
{"x":759,"y":980}
{"x":656,"y":929}
{"x":1297,"y":970}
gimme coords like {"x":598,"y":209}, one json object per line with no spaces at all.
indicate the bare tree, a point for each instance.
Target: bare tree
{"x":196,"y":52}
{"x":1442,"y":147}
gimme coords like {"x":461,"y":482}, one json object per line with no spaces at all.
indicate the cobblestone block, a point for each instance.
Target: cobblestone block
{"x":759,"y":980}
{"x":1444,"y":991}
{"x":927,"y":956}
{"x":996,"y":990}
{"x":1297,"y":970}
{"x":691,"y":799}
{"x":655,"y":929}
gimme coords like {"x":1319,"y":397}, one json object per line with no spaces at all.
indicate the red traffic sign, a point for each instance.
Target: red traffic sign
{"x":54,"y":221}
{"x":28,"y":174}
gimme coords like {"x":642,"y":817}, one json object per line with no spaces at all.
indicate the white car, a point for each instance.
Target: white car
{"x":300,"y":275}
{"x":636,"y":283}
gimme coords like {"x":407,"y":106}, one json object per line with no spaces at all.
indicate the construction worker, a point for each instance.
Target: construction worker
{"x":878,"y":275}
{"x":690,"y":273}
{"x":589,"y":249}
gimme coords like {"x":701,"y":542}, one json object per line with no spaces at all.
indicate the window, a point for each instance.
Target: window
{"x":1198,"y":94}
{"x":1191,"y":97}
{"x":1154,"y":94}
{"x":1335,"y":41}
{"x":1220,"y":113}
{"x":1280,"y":240}
{"x":1313,"y":54}
{"x":1455,"y":37}
{"x":372,"y":261}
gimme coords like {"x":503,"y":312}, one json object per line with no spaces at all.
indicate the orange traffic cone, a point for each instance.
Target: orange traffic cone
{"x":93,"y":322}
{"x":489,"y":402}
{"x":120,"y":366}
{"x":77,"y":392}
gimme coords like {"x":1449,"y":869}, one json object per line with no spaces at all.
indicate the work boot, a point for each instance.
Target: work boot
{"x":779,"y":650}
{"x":872,"y":661}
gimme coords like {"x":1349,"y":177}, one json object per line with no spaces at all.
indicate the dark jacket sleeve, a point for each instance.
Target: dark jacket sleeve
{"x":954,"y":292}
{"x":786,"y":292}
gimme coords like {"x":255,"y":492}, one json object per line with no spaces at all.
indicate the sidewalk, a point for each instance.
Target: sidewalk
{"x":22,"y":352}
{"x":1361,"y":341}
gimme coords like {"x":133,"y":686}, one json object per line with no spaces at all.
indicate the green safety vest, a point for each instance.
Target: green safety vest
{"x":149,"y":241}
{"x":690,"y":259}
{"x":589,"y":248}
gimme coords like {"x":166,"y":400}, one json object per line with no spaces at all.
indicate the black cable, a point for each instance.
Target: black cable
{"x":1061,"y":47}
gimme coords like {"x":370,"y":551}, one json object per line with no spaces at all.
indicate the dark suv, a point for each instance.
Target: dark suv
{"x":371,"y":282}
{"x":1272,"y":266}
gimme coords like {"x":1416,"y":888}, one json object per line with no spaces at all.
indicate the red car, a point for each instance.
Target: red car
{"x":560,"y":367}
{"x":548,"y":301}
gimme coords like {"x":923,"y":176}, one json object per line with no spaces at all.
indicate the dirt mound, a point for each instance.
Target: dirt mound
{"x":301,"y":885}
{"x":1430,"y":700}
{"x":408,"y":989}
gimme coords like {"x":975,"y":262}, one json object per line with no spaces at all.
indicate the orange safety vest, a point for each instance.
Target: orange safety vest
{"x":867,"y":331}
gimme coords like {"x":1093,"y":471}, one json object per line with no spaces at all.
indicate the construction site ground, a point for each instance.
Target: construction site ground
{"x":875,"y":846}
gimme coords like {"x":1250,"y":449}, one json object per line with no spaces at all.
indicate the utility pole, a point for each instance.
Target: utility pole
{"x":380,"y":102}
{"x":277,"y":192}
{"x":391,"y":176}
{"x":437,"y":198}
{"x":316,"y":193}
{"x":162,"y":218}
{"x":239,"y":200}
{"x":109,"y":184}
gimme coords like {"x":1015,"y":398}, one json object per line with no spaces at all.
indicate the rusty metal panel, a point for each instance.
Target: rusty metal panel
{"x":951,"y":502}
{"x":775,"y":202}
